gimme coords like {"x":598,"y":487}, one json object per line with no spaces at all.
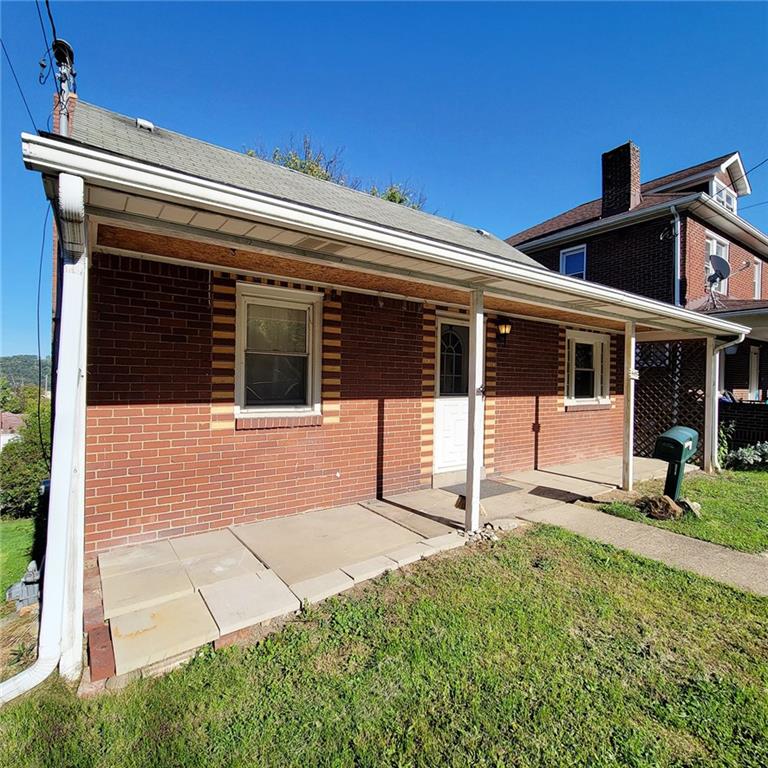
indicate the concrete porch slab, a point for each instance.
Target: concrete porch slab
{"x":248,"y":599}
{"x":447,"y":541}
{"x":127,"y":559}
{"x":369,"y":569}
{"x":132,"y":591}
{"x":153,"y":634}
{"x":325,"y":539}
{"x":413,"y":521}
{"x":321,"y":587}
{"x":203,"y":545}
{"x":410,"y":553}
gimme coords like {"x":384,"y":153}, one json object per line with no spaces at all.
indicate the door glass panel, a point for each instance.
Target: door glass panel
{"x":454,"y":360}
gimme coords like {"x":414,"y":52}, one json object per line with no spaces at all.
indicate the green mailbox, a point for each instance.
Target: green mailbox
{"x":676,"y":446}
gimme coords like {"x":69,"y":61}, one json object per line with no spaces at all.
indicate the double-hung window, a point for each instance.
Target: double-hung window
{"x":716,"y":247}
{"x":725,"y":196}
{"x":573,"y":261}
{"x":277,"y":349}
{"x":587,"y":367}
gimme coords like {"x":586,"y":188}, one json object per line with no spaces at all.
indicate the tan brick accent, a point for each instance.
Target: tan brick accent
{"x":489,"y":435}
{"x":428,"y":355}
{"x":331,"y":363}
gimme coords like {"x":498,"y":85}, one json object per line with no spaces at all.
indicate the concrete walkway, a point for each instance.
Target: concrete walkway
{"x":737,"y":569}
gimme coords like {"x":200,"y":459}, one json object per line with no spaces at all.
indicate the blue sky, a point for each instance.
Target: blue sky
{"x":498,"y":112}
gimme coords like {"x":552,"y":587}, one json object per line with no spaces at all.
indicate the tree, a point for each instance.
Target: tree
{"x":9,"y":398}
{"x":24,"y":462}
{"x":316,"y":162}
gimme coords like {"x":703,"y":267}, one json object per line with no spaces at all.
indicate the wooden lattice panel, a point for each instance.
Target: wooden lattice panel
{"x":669,"y":392}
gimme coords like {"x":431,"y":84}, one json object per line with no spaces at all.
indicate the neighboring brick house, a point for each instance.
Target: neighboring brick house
{"x":656,"y":239}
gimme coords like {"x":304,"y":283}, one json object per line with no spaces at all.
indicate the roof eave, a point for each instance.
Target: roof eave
{"x":118,"y":172}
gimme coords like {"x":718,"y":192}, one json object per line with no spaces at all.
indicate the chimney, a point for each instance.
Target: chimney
{"x":621,"y":179}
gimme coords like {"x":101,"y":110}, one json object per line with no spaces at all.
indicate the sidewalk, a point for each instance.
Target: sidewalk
{"x":738,"y":569}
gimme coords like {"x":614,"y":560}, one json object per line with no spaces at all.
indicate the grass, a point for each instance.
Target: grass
{"x":734,"y":509}
{"x":15,"y":546}
{"x":542,"y":649}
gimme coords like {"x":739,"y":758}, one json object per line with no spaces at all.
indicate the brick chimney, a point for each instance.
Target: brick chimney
{"x":621,"y":179}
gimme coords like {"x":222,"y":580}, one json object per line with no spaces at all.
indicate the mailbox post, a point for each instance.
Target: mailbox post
{"x":676,"y":446}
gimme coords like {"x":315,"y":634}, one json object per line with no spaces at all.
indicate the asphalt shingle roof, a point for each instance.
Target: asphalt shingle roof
{"x":591,"y":211}
{"x":111,"y":132}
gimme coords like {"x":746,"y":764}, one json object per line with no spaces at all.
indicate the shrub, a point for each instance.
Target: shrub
{"x":24,"y":464}
{"x":749,"y":457}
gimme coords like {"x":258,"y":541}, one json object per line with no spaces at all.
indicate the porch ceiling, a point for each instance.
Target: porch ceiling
{"x":348,"y":252}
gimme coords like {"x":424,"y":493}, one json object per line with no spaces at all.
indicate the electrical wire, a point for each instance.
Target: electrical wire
{"x":753,"y":205}
{"x":18,"y":85}
{"x":47,"y":49}
{"x":43,"y":449}
{"x":50,"y":18}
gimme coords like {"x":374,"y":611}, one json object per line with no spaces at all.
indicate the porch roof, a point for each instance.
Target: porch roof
{"x":134,"y":194}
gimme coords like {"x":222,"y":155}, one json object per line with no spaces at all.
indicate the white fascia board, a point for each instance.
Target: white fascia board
{"x":116,"y":172}
{"x":740,"y":179}
{"x":606,"y":225}
{"x":734,"y":225}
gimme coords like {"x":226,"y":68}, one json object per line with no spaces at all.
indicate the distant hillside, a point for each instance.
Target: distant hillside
{"x":22,"y":369}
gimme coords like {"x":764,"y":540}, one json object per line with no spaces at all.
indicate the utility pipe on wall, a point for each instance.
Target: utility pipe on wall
{"x":677,"y":261}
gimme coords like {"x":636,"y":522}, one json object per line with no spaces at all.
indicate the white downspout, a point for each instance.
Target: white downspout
{"x":677,"y":262}
{"x":65,"y":503}
{"x":714,"y":440}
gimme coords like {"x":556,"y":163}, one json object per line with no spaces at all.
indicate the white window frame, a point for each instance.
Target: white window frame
{"x":711,"y":238}
{"x":250,"y":293}
{"x":758,"y":278}
{"x":569,"y":252}
{"x":602,"y":357}
{"x":724,"y":195}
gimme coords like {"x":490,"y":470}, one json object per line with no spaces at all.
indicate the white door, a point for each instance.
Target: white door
{"x":452,"y":401}
{"x":754,"y":369}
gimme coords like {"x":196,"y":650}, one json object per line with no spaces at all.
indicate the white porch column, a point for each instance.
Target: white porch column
{"x":711,"y":402}
{"x":475,"y":420}
{"x":630,"y":376}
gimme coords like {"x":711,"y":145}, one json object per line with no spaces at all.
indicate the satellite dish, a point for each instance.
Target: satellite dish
{"x":720,"y":269}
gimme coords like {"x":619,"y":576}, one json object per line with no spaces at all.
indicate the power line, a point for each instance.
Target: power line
{"x":50,"y":18}
{"x":47,"y":46}
{"x":753,"y":205}
{"x":18,"y":85}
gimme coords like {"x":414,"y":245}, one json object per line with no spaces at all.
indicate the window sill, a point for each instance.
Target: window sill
{"x":278,"y":422}
{"x":588,"y":405}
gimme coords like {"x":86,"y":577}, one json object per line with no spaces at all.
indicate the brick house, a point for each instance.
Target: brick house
{"x":236,"y":341}
{"x":656,"y":239}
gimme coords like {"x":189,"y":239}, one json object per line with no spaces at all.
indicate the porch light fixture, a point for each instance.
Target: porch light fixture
{"x":503,"y":329}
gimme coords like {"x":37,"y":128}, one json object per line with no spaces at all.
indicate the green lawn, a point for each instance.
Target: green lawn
{"x":542,"y":649}
{"x":734,"y":509}
{"x":15,"y":547}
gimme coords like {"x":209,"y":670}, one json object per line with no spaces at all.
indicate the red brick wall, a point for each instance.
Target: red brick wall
{"x":157,"y":469}
{"x":741,"y":283}
{"x":637,"y":259}
{"x":164,"y":459}
{"x":533,"y":428}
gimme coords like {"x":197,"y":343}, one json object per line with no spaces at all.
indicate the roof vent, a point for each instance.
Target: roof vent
{"x":144,"y":125}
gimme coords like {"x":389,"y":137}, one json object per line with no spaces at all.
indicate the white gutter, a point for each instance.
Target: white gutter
{"x":677,"y":255}
{"x":723,"y":217}
{"x":115,"y":172}
{"x":61,"y":561}
{"x":714,"y":439}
